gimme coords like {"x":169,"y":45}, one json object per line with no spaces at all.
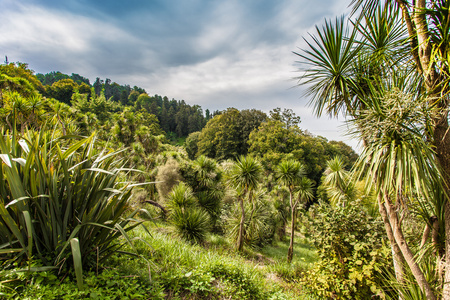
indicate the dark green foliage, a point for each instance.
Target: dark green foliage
{"x":98,"y":86}
{"x":226,"y":135}
{"x":352,"y":255}
{"x":205,"y":178}
{"x":69,"y":190}
{"x":191,"y":222}
{"x":62,"y":90}
{"x":52,"y":77}
{"x":275,"y":141}
{"x":108,"y":284}
{"x":191,"y":144}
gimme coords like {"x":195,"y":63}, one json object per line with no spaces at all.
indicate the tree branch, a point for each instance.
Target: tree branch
{"x":412,"y":34}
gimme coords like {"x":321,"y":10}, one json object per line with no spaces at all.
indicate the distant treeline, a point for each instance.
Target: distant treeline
{"x":175,"y":117}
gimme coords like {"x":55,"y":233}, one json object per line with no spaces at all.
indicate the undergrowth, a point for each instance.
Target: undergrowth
{"x":175,"y":270}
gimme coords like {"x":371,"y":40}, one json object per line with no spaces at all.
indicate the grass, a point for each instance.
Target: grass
{"x":304,"y":253}
{"x":177,"y":270}
{"x":216,"y":271}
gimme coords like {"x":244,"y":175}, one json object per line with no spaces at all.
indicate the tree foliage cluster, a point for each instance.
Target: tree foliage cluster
{"x":174,"y":116}
{"x":272,"y":139}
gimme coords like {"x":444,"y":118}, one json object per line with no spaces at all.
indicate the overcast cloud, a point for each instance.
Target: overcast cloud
{"x":217,"y":54}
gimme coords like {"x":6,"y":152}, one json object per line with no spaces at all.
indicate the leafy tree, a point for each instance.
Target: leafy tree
{"x":123,"y":98}
{"x":80,"y":79}
{"x":288,"y":117}
{"x":84,"y":88}
{"x":226,"y":135}
{"x":274,"y":142}
{"x":344,"y":151}
{"x":191,"y":144}
{"x":107,"y":89}
{"x":62,"y":90}
{"x":98,"y":86}
{"x":143,"y":101}
{"x":132,"y":97}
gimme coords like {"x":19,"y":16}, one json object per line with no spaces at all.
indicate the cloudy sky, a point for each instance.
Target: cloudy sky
{"x":215,"y":53}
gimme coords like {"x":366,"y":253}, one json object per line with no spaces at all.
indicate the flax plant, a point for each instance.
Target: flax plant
{"x":56,"y":191}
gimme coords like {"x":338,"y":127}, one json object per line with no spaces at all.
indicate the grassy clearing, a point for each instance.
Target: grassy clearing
{"x":304,"y":253}
{"x":262,"y":274}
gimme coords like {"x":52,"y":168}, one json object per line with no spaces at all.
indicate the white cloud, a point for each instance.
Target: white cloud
{"x":233,"y":54}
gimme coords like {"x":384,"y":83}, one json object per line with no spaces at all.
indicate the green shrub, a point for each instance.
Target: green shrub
{"x":55,"y":190}
{"x":109,"y":284}
{"x":351,"y":254}
{"x":260,"y":223}
{"x":191,"y":222}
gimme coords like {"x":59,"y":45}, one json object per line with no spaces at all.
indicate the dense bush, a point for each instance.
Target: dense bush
{"x":191,"y":222}
{"x":109,"y":284}
{"x":351,"y":253}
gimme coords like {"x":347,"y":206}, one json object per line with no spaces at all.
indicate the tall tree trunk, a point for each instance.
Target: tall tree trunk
{"x":240,"y":241}
{"x":397,"y":256}
{"x":441,"y":136}
{"x":407,"y":253}
{"x":291,"y":243}
{"x":442,"y":143}
{"x":396,"y":252}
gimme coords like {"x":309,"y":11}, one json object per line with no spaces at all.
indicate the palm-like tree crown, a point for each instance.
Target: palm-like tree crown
{"x":246,"y":173}
{"x":289,"y":173}
{"x":305,"y":189}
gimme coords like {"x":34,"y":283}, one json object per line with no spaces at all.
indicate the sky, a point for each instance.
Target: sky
{"x":214,"y":53}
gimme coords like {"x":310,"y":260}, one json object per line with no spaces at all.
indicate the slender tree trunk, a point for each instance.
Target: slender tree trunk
{"x":407,"y":253}
{"x":291,"y":243}
{"x":396,"y":252}
{"x":240,"y":241}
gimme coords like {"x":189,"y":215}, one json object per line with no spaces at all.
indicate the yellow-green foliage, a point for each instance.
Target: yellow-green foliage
{"x":168,"y":176}
{"x":352,"y":256}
